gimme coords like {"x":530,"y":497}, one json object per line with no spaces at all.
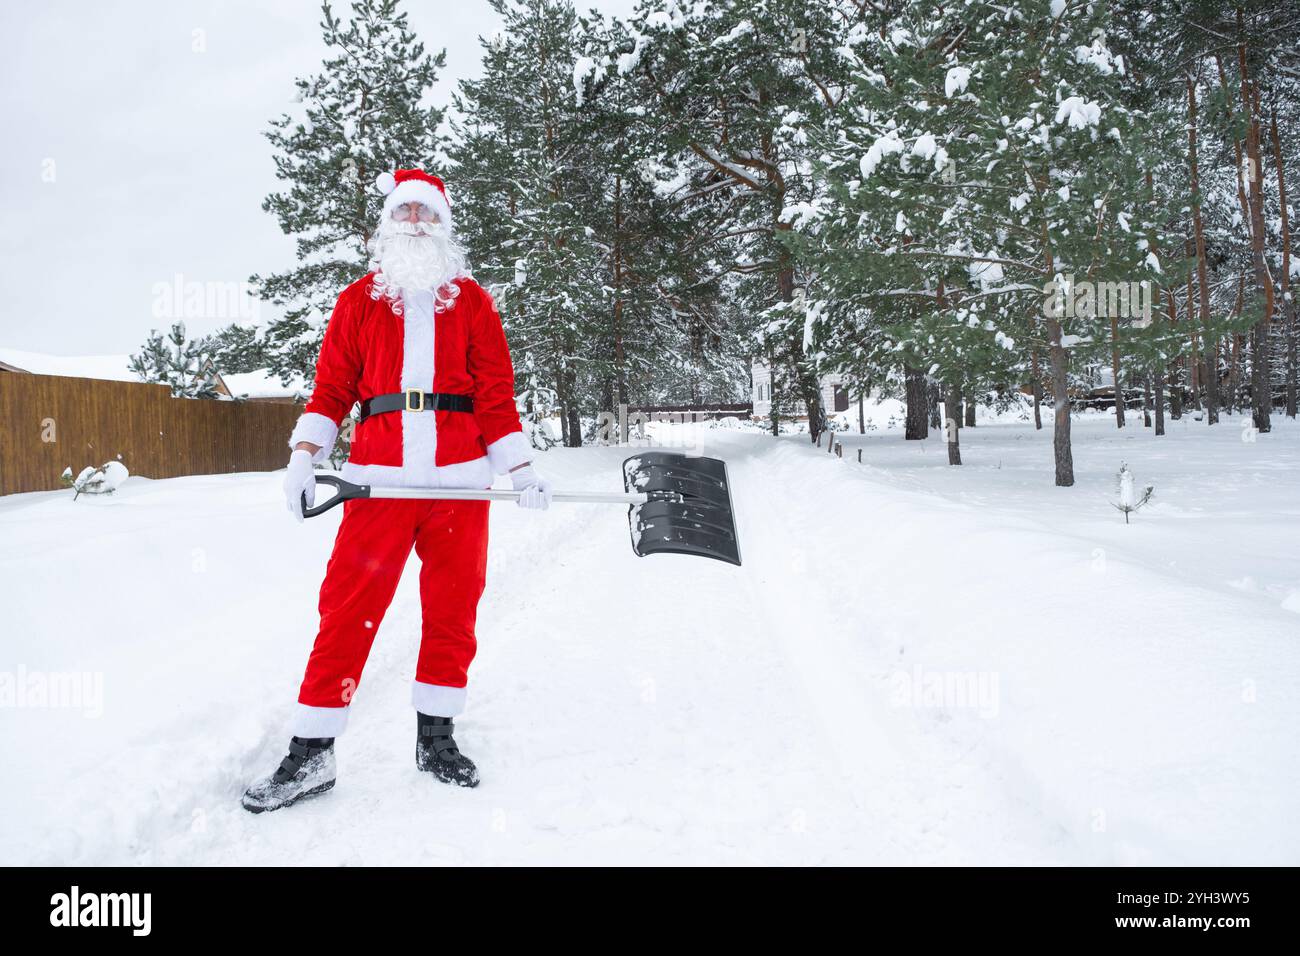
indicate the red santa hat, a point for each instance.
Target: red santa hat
{"x":414,"y":185}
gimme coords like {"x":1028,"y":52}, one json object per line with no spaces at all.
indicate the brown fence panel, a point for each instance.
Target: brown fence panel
{"x":52,"y":422}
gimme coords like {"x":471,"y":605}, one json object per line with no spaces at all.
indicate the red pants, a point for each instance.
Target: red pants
{"x":373,"y":543}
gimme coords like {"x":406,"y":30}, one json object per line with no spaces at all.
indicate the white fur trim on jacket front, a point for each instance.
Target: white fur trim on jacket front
{"x":419,"y":429}
{"x":509,"y":451}
{"x":437,"y":700}
{"x":319,"y":430}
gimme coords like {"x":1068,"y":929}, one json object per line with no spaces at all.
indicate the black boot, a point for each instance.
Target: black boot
{"x":436,"y":752}
{"x":308,"y":769}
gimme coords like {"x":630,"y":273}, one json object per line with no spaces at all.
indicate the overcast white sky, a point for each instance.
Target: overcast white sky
{"x":159,"y":166}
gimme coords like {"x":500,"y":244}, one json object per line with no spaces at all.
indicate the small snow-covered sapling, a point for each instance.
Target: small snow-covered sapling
{"x":1128,"y":496}
{"x":96,"y":481}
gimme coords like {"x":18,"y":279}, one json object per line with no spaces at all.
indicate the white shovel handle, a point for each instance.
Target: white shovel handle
{"x":347,"y":491}
{"x":504,"y":494}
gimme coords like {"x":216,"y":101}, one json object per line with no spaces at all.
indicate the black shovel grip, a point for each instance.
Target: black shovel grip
{"x":346,"y":490}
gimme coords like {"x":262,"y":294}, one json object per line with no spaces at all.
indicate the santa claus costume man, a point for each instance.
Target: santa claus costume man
{"x":420,"y":345}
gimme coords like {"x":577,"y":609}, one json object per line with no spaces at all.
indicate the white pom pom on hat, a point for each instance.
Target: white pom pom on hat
{"x":414,"y":185}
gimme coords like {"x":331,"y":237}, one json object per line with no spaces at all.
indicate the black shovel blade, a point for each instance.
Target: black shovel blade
{"x":690,"y":508}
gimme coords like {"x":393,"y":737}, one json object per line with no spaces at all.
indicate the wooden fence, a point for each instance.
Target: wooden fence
{"x":52,"y":422}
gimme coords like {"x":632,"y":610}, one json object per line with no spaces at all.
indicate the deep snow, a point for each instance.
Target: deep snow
{"x":1133,"y":689}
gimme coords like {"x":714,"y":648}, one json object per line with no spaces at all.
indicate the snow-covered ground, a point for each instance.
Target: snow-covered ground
{"x":916,"y":664}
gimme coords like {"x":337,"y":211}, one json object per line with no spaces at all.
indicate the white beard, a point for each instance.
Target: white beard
{"x":415,"y":256}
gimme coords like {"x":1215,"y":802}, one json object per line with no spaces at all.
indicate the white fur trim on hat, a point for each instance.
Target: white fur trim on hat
{"x":417,"y":190}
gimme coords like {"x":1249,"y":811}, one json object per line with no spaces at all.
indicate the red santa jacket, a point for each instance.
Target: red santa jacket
{"x":371,"y":350}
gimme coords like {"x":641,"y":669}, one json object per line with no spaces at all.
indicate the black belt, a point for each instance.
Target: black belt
{"x":415,"y":400}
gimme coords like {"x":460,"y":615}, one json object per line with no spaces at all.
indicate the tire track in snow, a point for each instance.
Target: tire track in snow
{"x":797,"y":613}
{"x":897,"y":761}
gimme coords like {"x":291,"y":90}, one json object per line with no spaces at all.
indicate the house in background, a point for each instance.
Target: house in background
{"x":835,"y":395}
{"x":259,"y":386}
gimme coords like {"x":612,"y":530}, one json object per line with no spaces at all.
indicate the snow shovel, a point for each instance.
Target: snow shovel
{"x":679,"y":504}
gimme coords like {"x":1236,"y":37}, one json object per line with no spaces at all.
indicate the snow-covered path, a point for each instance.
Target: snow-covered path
{"x":807,"y":707}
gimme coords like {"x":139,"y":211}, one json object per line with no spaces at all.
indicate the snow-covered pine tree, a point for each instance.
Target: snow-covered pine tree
{"x":524,"y":175}
{"x":731,"y":82}
{"x":238,"y":348}
{"x":361,"y":115}
{"x":1155,"y":351}
{"x":984,"y":159}
{"x":537,"y":403}
{"x":103,"y":480}
{"x":669,"y":336}
{"x":184,"y":365}
{"x":677,"y":327}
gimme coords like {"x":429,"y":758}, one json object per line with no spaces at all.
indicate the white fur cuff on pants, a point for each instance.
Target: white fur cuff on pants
{"x":309,"y":721}
{"x":437,"y":700}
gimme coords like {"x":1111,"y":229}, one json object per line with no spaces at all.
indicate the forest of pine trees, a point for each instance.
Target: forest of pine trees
{"x":959,"y":202}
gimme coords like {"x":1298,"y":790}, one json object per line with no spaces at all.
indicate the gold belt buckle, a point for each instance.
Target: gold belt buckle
{"x":418,"y":404}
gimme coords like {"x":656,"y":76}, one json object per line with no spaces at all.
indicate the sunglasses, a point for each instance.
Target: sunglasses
{"x":403,"y":212}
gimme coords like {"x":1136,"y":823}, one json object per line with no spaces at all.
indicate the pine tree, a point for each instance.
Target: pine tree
{"x":238,"y":348}
{"x":672,"y":332}
{"x":360,"y":116}
{"x":522,"y":169}
{"x":184,"y":365}
{"x":983,"y":171}
{"x":731,"y":82}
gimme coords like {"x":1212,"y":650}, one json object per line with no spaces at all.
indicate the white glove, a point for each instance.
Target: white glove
{"x":536,"y":489}
{"x":301,"y":477}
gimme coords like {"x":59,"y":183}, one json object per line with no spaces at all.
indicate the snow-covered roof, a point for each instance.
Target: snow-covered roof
{"x":115,"y":368}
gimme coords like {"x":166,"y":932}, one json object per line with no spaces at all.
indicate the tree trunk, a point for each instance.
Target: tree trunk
{"x":570,"y":421}
{"x":970,"y":411}
{"x":1114,"y":370}
{"x":1195,"y":372}
{"x":802,"y":375}
{"x":1234,"y":369}
{"x":1061,"y":399}
{"x":917,"y":395}
{"x":1288,"y":303}
{"x":575,"y":428}
{"x":620,"y":358}
{"x":812,"y":400}
{"x":774,"y":413}
{"x":1261,"y":384}
{"x":932,"y":396}
{"x":607,"y":396}
{"x":1160,"y":399}
{"x":1212,"y":354}
{"x":952,"y":416}
{"x":1146,"y":400}
{"x":1173,"y":369}
{"x":1038,"y":390}
{"x":1175,"y":390}
{"x":862,"y":416}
